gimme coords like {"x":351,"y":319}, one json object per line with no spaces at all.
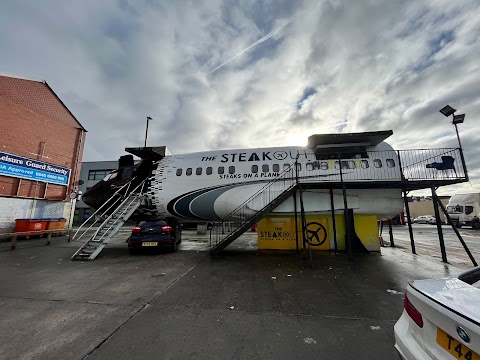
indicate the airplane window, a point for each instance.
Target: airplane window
{"x":231,"y":169}
{"x":365,"y":164}
{"x":179,"y":172}
{"x":286,"y":166}
{"x":390,"y":163}
{"x":324,"y":165}
{"x":209,"y":170}
{"x":265,"y":168}
{"x":189,"y":171}
{"x":276,"y":168}
{"x":254,"y":169}
{"x":351,"y":164}
{"x":221,"y":170}
{"x":377,"y":163}
{"x":198,"y":171}
{"x":309,"y":166}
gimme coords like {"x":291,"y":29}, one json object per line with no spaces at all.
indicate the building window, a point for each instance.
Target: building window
{"x":254,"y":169}
{"x":390,"y":163}
{"x":198,"y":171}
{"x":189,"y":171}
{"x":265,"y":168}
{"x":221,"y":170}
{"x":276,"y":168}
{"x":377,"y":163}
{"x":179,"y":172}
{"x":98,"y":174}
{"x":209,"y":170}
{"x":231,"y":169}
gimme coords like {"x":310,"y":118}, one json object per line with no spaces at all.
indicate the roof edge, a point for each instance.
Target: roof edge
{"x":51,"y":90}
{"x":65,"y":106}
{"x":21,"y":77}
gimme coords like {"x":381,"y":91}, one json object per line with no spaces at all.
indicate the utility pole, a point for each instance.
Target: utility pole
{"x":146,"y":131}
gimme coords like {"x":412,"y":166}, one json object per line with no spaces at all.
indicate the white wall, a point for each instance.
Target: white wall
{"x":15,"y":208}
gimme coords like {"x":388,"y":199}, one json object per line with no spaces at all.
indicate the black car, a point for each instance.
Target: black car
{"x":154,"y":235}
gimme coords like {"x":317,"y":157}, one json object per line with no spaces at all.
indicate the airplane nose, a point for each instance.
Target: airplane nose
{"x":98,"y":194}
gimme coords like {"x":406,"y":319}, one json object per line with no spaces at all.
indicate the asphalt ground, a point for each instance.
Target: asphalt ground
{"x":241,"y":304}
{"x":427,"y":242}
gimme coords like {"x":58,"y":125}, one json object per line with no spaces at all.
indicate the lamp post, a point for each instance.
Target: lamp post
{"x":457,"y":119}
{"x":146,"y":131}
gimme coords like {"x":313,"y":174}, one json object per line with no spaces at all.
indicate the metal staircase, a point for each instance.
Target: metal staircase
{"x":113,"y":213}
{"x":243,"y":217}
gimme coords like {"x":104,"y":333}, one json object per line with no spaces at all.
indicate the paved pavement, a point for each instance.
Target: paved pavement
{"x":242,"y":304}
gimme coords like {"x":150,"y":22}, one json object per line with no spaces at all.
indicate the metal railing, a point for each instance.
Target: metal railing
{"x":256,"y":204}
{"x":382,"y":166}
{"x":114,"y":201}
{"x":27,"y":234}
{"x":395,"y":166}
{"x":432,"y":164}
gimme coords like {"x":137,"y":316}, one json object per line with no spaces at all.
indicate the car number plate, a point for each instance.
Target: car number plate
{"x":455,"y":347}
{"x":149,"y":243}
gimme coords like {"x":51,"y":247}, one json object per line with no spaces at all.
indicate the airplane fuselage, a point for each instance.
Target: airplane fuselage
{"x":207,"y":186}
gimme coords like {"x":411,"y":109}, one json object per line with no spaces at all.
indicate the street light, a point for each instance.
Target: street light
{"x":146,"y":131}
{"x":457,"y":119}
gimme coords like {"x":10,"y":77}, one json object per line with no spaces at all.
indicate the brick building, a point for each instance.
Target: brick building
{"x":40,"y":154}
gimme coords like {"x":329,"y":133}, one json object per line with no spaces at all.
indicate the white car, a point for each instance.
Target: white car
{"x":441,"y":319}
{"x":425,"y":219}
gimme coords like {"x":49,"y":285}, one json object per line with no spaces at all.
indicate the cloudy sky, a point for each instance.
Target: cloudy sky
{"x":239,"y":74}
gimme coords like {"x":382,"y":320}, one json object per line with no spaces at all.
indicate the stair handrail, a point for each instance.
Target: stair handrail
{"x":259,"y":191}
{"x":283,"y":176}
{"x":116,"y":193}
{"x":122,"y":203}
{"x":111,"y":216}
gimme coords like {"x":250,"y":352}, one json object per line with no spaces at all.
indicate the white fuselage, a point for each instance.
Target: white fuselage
{"x":210,"y":185}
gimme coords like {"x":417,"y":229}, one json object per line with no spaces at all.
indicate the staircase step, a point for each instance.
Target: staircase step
{"x":126,"y":205}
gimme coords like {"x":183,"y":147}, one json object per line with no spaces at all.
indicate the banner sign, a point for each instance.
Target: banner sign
{"x":24,"y":168}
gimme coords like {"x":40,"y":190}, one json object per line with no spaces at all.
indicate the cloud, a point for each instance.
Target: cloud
{"x":234,"y":74}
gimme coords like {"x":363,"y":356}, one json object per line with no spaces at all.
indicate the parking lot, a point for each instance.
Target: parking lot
{"x":242,"y":304}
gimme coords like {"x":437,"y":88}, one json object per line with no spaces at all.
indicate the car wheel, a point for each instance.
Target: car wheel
{"x":131,"y":251}
{"x":476,"y":225}
{"x":458,"y":225}
{"x":174,"y":247}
